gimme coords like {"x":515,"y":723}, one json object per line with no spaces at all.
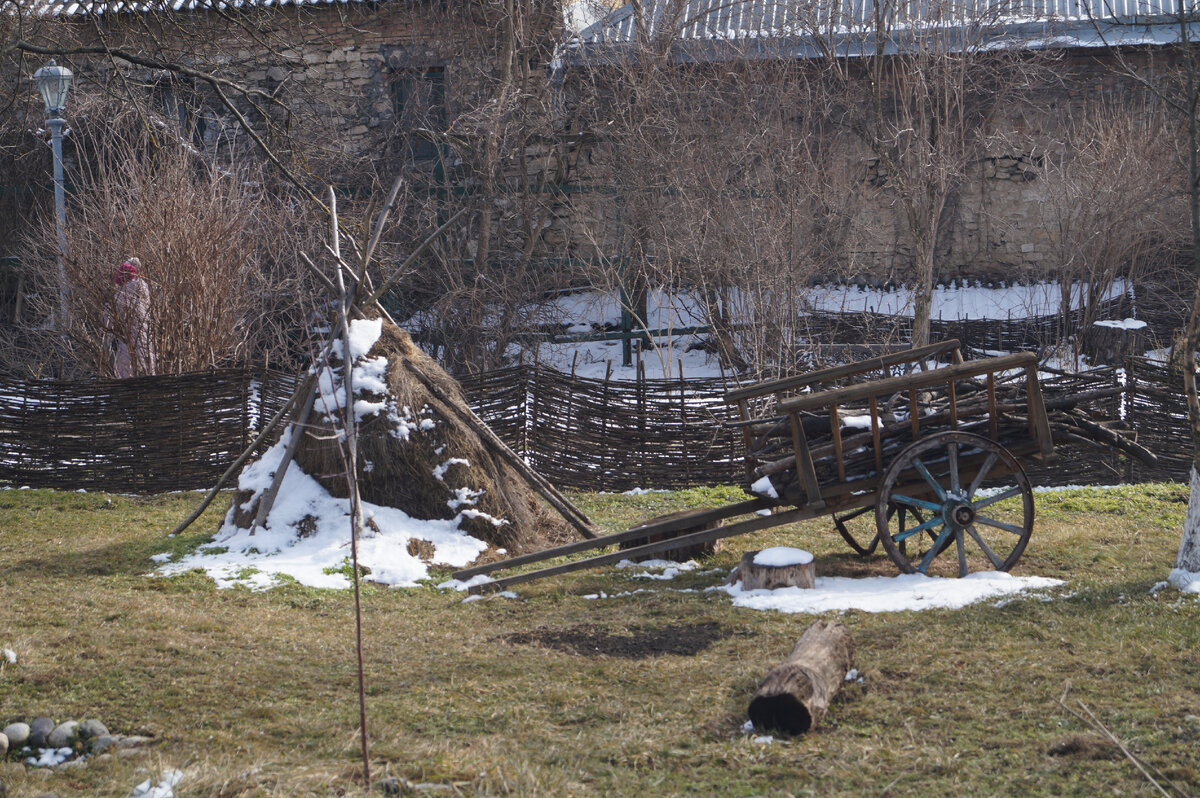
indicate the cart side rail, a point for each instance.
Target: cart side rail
{"x":908,"y":386}
{"x":820,"y":376}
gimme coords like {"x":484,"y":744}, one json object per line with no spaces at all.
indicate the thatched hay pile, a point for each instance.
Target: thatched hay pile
{"x":416,"y":455}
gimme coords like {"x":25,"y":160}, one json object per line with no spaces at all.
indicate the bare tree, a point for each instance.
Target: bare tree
{"x":727,"y":180}
{"x":924,"y":98}
{"x":1109,"y":208}
{"x":213,"y":245}
{"x":1174,"y":79}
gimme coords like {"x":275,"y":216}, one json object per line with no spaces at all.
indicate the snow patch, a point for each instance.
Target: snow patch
{"x":1185,"y":581}
{"x":763,"y":487}
{"x":886,"y":594}
{"x":782,"y":556}
{"x":1124,"y":324}
{"x":666,"y":569}
{"x":165,"y":788}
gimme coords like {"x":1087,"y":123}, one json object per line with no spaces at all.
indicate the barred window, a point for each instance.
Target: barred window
{"x":419,"y":102}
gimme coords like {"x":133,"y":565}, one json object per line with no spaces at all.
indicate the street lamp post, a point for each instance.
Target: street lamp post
{"x":53,"y":83}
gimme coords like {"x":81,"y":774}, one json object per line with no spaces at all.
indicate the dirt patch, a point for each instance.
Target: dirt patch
{"x":1082,"y":746}
{"x":632,"y":643}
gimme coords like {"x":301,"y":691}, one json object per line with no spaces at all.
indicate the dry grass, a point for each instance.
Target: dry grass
{"x":252,"y":694}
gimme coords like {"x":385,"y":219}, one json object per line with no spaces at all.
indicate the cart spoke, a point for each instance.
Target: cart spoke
{"x":933,"y":483}
{"x":934,"y":550}
{"x":983,"y":472}
{"x":905,"y":534}
{"x":1001,"y":496}
{"x":911,"y":502}
{"x":1016,"y":530}
{"x":962,"y":553}
{"x":991,"y":555}
{"x":952,"y":452}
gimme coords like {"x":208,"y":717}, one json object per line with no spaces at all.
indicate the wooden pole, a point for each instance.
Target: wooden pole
{"x":267,"y":500}
{"x":351,"y":450}
{"x":795,"y":694}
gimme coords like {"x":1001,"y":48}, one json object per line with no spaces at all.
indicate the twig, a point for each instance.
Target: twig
{"x":1094,"y":723}
{"x":402,"y":269}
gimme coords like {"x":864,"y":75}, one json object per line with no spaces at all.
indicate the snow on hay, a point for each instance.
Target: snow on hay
{"x":415,"y":454}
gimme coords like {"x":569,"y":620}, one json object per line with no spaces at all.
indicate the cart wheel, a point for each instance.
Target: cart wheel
{"x":848,"y":536}
{"x":937,"y":480}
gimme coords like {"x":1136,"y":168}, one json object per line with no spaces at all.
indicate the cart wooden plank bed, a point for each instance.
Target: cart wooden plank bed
{"x":908,"y":440}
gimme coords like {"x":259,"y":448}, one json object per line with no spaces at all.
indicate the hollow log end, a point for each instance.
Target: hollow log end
{"x":783,"y":713}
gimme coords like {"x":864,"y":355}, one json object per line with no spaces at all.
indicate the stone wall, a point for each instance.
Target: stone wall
{"x":335,"y":69}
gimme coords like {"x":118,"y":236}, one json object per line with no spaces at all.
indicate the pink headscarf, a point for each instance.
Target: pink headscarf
{"x":125,"y":272}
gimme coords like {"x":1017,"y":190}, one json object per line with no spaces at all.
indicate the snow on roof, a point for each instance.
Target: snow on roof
{"x":74,"y":8}
{"x":803,"y":28}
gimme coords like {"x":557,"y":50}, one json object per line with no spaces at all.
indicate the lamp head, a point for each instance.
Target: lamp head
{"x":53,"y":83}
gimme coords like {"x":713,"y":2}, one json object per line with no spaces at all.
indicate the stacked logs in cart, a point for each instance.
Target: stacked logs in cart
{"x":1071,"y":415}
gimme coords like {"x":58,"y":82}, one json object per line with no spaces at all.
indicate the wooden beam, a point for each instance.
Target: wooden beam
{"x":847,"y":370}
{"x":926,"y":379}
{"x":672,"y":525}
{"x":740,"y":528}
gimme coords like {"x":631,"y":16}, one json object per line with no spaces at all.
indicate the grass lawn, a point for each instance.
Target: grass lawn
{"x":254,"y":694}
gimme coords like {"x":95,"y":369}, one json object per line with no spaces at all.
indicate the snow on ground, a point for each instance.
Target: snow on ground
{"x":837,"y":593}
{"x":320,"y":558}
{"x":592,"y":311}
{"x":165,"y":788}
{"x":1185,"y":581}
{"x":887,"y":593}
{"x":956,"y":300}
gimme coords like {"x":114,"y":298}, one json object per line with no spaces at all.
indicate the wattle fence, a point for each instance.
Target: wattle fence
{"x":156,"y":434}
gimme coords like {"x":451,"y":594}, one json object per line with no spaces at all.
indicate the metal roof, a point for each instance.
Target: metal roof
{"x":74,"y":8}
{"x":771,"y":28}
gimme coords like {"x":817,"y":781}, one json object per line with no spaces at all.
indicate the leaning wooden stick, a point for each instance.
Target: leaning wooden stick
{"x":267,"y":501}
{"x":536,"y":481}
{"x":305,"y":386}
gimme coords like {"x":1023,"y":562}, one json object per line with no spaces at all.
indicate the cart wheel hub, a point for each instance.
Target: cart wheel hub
{"x":960,"y":515}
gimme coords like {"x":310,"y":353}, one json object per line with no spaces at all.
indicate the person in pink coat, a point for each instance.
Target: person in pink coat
{"x":130,"y":324}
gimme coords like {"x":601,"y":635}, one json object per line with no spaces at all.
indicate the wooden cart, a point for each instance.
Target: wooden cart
{"x":899,"y":436}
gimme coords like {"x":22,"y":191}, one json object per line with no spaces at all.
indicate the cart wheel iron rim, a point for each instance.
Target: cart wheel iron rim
{"x":937,"y":481}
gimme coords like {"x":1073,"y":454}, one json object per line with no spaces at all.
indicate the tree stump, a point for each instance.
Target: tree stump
{"x":1113,"y":341}
{"x":780,"y":566}
{"x":686,"y":551}
{"x":796,"y":694}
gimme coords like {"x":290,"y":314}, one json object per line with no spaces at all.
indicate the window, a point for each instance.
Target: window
{"x":419,"y":102}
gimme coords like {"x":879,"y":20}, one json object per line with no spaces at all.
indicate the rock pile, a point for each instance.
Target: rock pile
{"x":44,"y":743}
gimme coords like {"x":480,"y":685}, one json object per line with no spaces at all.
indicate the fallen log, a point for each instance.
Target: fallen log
{"x":795,"y":694}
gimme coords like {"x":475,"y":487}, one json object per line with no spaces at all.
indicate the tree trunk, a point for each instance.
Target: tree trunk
{"x":1188,"y":558}
{"x":795,"y":695}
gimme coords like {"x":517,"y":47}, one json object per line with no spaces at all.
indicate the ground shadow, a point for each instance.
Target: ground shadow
{"x":639,"y":642}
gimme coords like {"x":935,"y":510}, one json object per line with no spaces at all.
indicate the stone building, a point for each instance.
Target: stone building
{"x":493,"y":105}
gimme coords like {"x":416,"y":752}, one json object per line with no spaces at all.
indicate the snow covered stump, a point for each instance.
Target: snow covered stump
{"x":780,"y":566}
{"x":1113,"y":341}
{"x":796,"y":694}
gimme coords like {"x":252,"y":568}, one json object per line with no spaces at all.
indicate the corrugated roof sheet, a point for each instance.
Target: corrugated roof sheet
{"x":764,"y":25}
{"x":86,"y":7}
